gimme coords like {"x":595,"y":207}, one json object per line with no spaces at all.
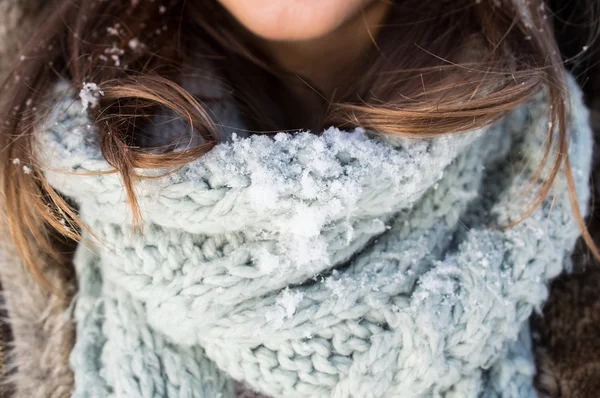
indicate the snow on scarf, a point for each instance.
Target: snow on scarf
{"x":338,"y":264}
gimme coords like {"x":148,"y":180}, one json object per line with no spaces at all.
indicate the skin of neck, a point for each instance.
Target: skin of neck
{"x":328,"y":62}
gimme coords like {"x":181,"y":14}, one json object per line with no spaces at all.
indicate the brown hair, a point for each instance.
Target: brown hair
{"x":438,"y":67}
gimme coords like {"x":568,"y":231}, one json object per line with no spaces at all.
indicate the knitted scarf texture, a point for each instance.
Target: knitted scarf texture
{"x":340,"y":264}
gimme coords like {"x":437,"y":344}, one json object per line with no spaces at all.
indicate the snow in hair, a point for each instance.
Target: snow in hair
{"x":90,"y":95}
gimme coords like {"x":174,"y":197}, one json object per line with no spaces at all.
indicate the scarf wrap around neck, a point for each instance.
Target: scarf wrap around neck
{"x":341,"y":264}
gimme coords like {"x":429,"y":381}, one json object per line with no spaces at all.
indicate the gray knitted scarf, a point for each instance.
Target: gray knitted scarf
{"x":341,"y":264}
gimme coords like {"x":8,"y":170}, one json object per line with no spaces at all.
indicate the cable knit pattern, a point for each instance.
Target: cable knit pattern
{"x":339,"y":264}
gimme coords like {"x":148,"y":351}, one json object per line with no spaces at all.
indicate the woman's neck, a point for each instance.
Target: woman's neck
{"x":329,"y":62}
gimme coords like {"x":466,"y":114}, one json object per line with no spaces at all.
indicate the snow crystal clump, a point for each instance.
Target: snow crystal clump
{"x":113,"y":30}
{"x":267,"y":262}
{"x":134,"y":44}
{"x":115,"y":53}
{"x":284,"y":307}
{"x":90,"y":95}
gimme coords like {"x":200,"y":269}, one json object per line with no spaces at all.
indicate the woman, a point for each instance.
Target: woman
{"x":398,"y":253}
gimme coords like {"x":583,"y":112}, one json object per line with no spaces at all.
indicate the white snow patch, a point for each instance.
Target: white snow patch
{"x":284,"y":308}
{"x":336,"y":286}
{"x":113,"y":30}
{"x":90,"y":95}
{"x":134,"y":44}
{"x":289,"y":301}
{"x":115,"y":53}
{"x":266,"y":261}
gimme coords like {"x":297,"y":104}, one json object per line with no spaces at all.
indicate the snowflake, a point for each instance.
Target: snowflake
{"x":90,"y":95}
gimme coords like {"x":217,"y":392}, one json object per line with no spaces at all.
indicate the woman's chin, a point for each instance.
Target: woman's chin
{"x":293,"y":20}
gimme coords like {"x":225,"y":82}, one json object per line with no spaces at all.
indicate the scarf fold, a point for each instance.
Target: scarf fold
{"x":341,"y":264}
